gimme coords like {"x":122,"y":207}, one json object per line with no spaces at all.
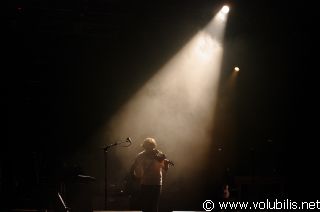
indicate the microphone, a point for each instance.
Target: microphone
{"x":129,"y":140}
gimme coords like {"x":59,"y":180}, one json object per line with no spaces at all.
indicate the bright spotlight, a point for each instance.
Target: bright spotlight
{"x":223,"y":13}
{"x":236,"y":68}
{"x":181,"y":96}
{"x":225,"y":9}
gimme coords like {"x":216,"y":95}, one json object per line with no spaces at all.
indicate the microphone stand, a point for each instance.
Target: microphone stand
{"x":128,"y":140}
{"x":63,"y":203}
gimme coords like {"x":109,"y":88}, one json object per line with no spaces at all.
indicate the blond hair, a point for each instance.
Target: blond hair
{"x":149,"y":143}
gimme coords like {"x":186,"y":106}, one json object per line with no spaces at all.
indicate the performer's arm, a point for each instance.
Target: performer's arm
{"x":136,"y":170}
{"x":166,"y":164}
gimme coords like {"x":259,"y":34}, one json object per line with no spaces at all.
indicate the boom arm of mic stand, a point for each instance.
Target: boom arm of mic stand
{"x":114,"y":144}
{"x":109,"y":146}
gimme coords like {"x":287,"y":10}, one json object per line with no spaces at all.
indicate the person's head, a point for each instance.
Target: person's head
{"x":149,"y":144}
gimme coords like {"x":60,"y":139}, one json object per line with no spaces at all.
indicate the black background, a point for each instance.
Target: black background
{"x":68,"y":66}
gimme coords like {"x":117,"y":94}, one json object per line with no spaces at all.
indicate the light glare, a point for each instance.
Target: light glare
{"x":180,"y":97}
{"x":225,"y":9}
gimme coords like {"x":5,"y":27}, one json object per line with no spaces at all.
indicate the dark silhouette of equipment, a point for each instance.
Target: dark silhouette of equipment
{"x":129,"y":142}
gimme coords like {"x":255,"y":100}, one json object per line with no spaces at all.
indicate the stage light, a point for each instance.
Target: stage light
{"x":177,"y":105}
{"x":236,"y":68}
{"x":225,"y":9}
{"x":222,"y":14}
